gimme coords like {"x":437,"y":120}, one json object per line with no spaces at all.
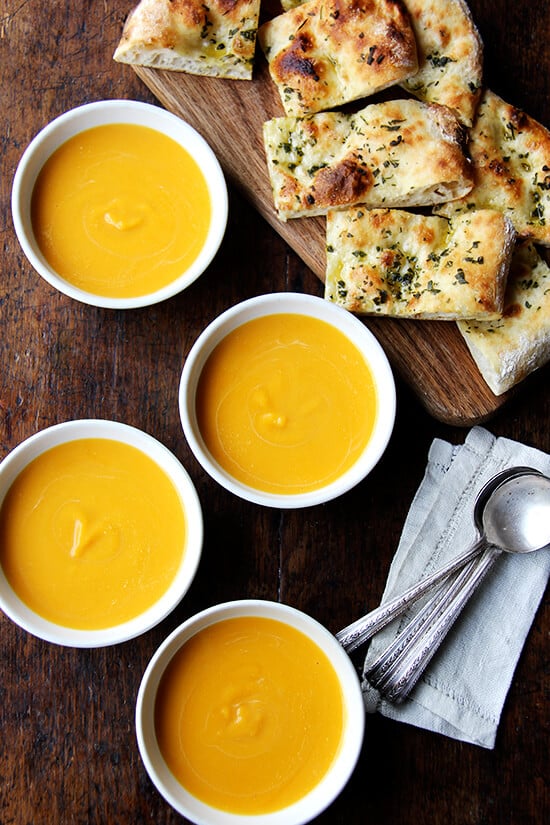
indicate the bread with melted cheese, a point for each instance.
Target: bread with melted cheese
{"x":217,"y":38}
{"x":328,"y":52}
{"x":450,"y":56}
{"x":510,"y":152}
{"x":395,"y":263}
{"x":399,"y":153}
{"x":510,"y":348}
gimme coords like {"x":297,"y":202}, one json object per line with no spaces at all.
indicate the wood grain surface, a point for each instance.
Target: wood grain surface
{"x":68,"y":752}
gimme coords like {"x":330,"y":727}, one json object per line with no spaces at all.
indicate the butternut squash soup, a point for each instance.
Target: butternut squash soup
{"x":286,"y":403}
{"x":120,"y":210}
{"x":92,"y":533}
{"x":249,"y":715}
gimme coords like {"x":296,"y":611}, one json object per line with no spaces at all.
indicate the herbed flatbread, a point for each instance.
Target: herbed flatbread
{"x":450,"y":56}
{"x":510,"y":152}
{"x":507,"y":350}
{"x":449,"y":53}
{"x":216,"y":39}
{"x":399,"y":153}
{"x":328,"y":52}
{"x":394,"y":263}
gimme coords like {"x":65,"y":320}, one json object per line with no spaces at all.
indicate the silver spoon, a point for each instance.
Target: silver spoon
{"x":355,"y":634}
{"x":385,"y":665}
{"x":515,"y":519}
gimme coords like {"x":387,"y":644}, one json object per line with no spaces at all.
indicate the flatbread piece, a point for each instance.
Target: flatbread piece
{"x":395,"y":263}
{"x":398,"y":153}
{"x":507,"y":350}
{"x":216,"y":39}
{"x":328,"y":52}
{"x":510,"y":152}
{"x":450,"y":56}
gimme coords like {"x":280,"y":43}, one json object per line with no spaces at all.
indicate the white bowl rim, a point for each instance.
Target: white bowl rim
{"x":345,"y":761}
{"x":66,"y":431}
{"x":102,"y":112}
{"x":299,"y":303}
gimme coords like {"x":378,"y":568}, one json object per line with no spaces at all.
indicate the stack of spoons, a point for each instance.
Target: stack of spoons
{"x":511,"y":514}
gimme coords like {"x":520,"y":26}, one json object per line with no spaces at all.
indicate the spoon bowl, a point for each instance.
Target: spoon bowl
{"x":516,"y":518}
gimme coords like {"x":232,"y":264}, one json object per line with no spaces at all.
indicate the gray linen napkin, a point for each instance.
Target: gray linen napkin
{"x":462,"y":692}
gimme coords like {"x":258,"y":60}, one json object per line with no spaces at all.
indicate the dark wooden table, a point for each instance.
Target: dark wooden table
{"x":68,"y":752}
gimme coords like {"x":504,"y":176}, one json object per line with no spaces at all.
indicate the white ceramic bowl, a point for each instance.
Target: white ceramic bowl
{"x":35,"y":445}
{"x":320,"y":797}
{"x":357,"y":333}
{"x":102,"y":113}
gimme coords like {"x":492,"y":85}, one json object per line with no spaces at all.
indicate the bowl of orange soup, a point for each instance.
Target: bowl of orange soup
{"x":250,"y":711}
{"x":119,"y":204}
{"x":101,"y":533}
{"x":287,"y":400}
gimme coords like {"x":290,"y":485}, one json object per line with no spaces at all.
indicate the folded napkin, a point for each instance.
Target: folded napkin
{"x":463,"y":689}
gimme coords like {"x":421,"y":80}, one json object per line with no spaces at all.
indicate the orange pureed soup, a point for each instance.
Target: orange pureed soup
{"x":92,"y":533}
{"x":249,"y":715}
{"x":120,"y":210}
{"x":286,"y":403}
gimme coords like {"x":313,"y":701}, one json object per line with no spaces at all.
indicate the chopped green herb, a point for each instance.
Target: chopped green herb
{"x":438,"y":60}
{"x":342,"y":290}
{"x":392,"y":126}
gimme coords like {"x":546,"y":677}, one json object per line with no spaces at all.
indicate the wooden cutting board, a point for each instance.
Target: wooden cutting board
{"x":429,"y":355}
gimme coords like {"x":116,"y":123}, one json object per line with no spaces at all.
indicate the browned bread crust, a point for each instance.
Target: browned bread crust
{"x":510,"y":152}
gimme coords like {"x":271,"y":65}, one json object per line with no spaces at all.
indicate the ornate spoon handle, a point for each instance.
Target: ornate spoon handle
{"x":420,"y":653}
{"x":355,"y":634}
{"x":385,"y":665}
